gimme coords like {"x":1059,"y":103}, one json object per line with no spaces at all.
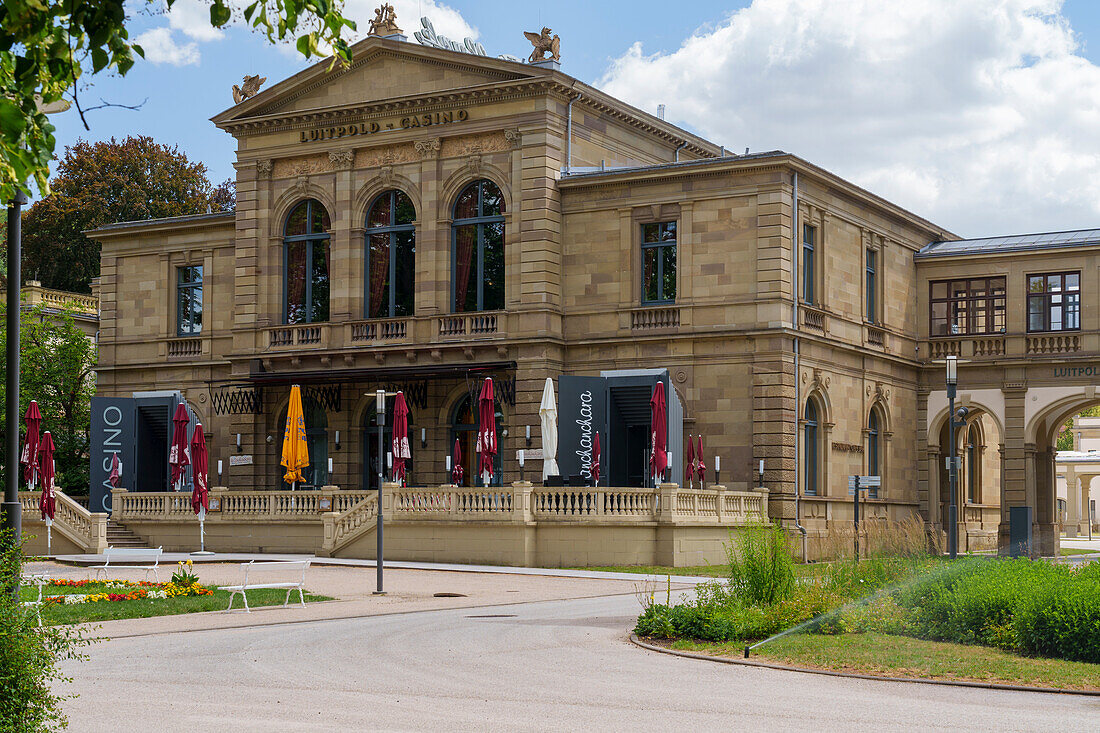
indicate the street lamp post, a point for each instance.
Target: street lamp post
{"x":12,"y":513}
{"x":380,"y":412}
{"x":953,"y":460}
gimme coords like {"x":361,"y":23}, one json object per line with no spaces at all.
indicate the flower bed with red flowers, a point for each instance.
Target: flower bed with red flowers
{"x":101,"y":591}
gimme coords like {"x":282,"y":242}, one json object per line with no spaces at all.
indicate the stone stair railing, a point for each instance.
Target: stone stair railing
{"x":87,"y":530}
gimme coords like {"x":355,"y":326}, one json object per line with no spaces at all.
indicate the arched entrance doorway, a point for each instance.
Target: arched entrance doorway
{"x":979,"y":447}
{"x":369,"y":441}
{"x":316,"y":474}
{"x":464,"y":429}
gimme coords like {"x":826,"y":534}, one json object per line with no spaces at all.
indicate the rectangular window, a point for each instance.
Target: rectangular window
{"x":659,"y":262}
{"x":808,"y":235}
{"x":1054,"y":301}
{"x":871,"y":304}
{"x":189,"y":300}
{"x":967,"y":307}
{"x":307,"y":281}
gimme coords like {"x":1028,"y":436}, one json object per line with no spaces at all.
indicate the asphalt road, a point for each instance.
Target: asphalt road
{"x":559,"y":665}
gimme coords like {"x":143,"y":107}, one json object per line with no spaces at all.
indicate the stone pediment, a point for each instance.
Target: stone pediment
{"x":381,"y":70}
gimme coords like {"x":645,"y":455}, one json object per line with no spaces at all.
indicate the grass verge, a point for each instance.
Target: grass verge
{"x":897,"y":656}
{"x":1075,"y":551}
{"x":56,"y":613}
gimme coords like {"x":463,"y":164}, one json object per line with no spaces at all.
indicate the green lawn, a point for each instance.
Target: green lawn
{"x":898,"y":656}
{"x":56,"y":613}
{"x":1074,"y":551}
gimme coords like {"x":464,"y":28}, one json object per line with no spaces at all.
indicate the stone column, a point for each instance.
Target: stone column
{"x":1017,"y":466}
{"x":1073,"y":494}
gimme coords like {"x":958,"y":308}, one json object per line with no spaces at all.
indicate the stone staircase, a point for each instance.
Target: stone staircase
{"x":119,"y":536}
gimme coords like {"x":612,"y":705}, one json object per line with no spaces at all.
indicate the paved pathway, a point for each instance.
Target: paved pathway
{"x":545,"y":666}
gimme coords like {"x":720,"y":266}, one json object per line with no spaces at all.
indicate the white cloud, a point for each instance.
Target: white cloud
{"x":192,"y":18}
{"x":160,"y":47}
{"x":979,"y":115}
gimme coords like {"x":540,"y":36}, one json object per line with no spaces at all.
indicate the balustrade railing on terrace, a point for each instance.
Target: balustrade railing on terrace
{"x":1001,"y":344}
{"x":183,"y":347}
{"x":310,"y":334}
{"x":85,"y":529}
{"x":645,"y":319}
{"x":237,"y":504}
{"x":468,"y":324}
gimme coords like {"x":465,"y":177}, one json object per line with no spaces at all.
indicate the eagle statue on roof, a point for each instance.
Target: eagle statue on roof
{"x":544,"y":43}
{"x":248,"y":88}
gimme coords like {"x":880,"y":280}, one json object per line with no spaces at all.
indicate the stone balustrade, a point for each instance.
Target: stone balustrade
{"x":86,"y":530}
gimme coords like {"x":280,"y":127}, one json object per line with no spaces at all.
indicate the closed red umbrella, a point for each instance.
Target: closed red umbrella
{"x":200,"y":475}
{"x":177,"y":455}
{"x":689,"y":463}
{"x":116,"y":470}
{"x":200,"y":469}
{"x":401,"y":452}
{"x":700,"y":468}
{"x":594,"y":463}
{"x":486,"y":430}
{"x":457,"y":471}
{"x":47,"y":503}
{"x":658,"y":415}
{"x":29,"y":458}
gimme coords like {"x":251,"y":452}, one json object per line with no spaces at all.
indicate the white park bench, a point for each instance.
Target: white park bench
{"x":266,"y":574}
{"x":130,"y":555}
{"x":39,"y":579}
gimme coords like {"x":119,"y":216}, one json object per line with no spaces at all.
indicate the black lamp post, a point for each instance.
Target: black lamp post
{"x":953,"y":422}
{"x":11,"y":508}
{"x":380,"y":413}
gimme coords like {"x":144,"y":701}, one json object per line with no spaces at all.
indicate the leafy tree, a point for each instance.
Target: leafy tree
{"x":103,"y":182}
{"x":56,"y":369}
{"x":1065,"y":436}
{"x":47,"y":47}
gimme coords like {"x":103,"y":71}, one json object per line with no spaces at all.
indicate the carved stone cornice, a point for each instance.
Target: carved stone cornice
{"x":428,"y":148}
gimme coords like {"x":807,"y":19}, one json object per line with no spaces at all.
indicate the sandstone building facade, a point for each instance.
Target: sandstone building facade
{"x":426,"y":218}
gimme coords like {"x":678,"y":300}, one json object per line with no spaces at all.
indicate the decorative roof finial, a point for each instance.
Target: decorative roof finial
{"x":384,"y":22}
{"x":544,"y":44}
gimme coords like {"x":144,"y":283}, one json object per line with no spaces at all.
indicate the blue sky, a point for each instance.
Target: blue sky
{"x":931,"y":103}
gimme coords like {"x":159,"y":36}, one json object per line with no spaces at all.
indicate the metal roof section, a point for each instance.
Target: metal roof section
{"x":577,"y":172}
{"x":185,"y":219}
{"x":1010,"y":244}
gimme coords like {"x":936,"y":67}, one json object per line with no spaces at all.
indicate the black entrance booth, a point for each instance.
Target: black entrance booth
{"x":616,"y":403}
{"x":139,"y":430}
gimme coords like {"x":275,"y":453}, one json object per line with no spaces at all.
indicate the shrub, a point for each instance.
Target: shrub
{"x":28,"y":655}
{"x":1062,"y":620}
{"x":761,"y":565}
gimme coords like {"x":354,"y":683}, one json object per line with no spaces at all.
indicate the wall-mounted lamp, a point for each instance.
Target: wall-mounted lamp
{"x":338,"y":446}
{"x":330,"y":469}
{"x":717,"y":469}
{"x":219,"y":471}
{"x":423,"y":437}
{"x":504,"y":432}
{"x":527,"y":435}
{"x":239,"y":448}
{"x":269,"y":439}
{"x":519,"y":455}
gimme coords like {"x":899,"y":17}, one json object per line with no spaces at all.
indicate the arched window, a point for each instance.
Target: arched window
{"x":306,"y":263}
{"x":810,"y":442}
{"x":874,"y":448}
{"x":316,"y":474}
{"x":478,"y":249}
{"x":391,"y":256}
{"x":973,"y":463}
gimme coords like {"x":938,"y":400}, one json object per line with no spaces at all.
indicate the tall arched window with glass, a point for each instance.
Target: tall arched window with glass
{"x":306,"y":262}
{"x":973,"y":463}
{"x":391,"y":256}
{"x":874,"y":447}
{"x":478,"y":248}
{"x":809,"y":436}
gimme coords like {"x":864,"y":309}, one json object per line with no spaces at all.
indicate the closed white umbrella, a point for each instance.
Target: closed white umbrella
{"x":548,"y":415}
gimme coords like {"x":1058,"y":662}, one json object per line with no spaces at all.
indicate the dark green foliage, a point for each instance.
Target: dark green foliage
{"x":28,"y":656}
{"x":761,"y":565}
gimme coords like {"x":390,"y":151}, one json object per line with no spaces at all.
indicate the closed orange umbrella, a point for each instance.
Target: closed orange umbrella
{"x":295,"y":451}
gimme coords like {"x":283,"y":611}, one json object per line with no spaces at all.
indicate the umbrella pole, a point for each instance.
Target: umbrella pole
{"x":49,"y":537}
